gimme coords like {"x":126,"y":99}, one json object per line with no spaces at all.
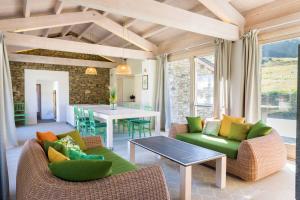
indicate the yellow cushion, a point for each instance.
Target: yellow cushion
{"x":226,"y":124}
{"x":55,"y":156}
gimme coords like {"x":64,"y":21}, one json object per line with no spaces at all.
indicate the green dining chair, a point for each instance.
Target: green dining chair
{"x":19,"y":114}
{"x":141,"y":125}
{"x":96,"y":127}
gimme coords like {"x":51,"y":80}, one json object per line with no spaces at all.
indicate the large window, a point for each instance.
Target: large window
{"x":279,"y":85}
{"x":204,"y":84}
{"x":179,"y":78}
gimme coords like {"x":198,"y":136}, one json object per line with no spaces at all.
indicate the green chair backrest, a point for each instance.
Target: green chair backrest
{"x":91,"y":116}
{"x":81,"y":114}
{"x":19,"y":107}
{"x":76,"y":112}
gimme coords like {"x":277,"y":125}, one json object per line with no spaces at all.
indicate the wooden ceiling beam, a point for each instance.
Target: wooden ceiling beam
{"x":51,"y":21}
{"x":59,"y":61}
{"x":174,"y":17}
{"x":124,"y":33}
{"x":46,"y":21}
{"x":225,"y":11}
{"x":58,"y":7}
{"x":26,"y":8}
{"x":29,"y":41}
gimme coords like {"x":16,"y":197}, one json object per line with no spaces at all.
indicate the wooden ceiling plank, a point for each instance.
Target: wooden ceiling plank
{"x":29,"y":41}
{"x":59,"y":61}
{"x":102,"y":41}
{"x":66,"y":30}
{"x":168,"y":16}
{"x":276,"y":22}
{"x":86,"y":30}
{"x":225,"y":11}
{"x":154,"y":31}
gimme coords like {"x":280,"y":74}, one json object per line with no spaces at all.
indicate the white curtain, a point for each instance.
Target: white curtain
{"x":250,"y":59}
{"x":162,"y":101}
{"x":7,"y":123}
{"x":222,"y":77}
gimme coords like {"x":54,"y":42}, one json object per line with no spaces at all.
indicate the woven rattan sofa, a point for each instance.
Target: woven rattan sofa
{"x":256,"y":158}
{"x":35,"y":181}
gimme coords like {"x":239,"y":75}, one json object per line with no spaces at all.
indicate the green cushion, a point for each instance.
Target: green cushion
{"x":79,"y":155}
{"x":81,"y":170}
{"x":119,"y":165}
{"x":76,"y":137}
{"x":212,"y":127}
{"x":55,"y":145}
{"x":69,"y":143}
{"x":238,"y":131}
{"x":220,"y":144}
{"x":259,"y":129}
{"x":194,"y":124}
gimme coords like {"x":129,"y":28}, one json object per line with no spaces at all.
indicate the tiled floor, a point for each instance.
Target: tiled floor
{"x":278,"y":186}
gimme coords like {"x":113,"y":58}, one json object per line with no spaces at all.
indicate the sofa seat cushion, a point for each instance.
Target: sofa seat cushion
{"x":220,"y":144}
{"x":119,"y":165}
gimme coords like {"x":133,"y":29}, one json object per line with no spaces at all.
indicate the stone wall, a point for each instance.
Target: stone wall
{"x":179,"y":76}
{"x":84,"y":89}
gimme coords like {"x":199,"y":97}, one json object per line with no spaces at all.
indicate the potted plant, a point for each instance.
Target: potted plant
{"x":132,"y":98}
{"x":113,"y":98}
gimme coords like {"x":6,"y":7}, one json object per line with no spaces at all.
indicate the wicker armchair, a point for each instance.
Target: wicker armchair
{"x":257,"y":158}
{"x":35,"y":181}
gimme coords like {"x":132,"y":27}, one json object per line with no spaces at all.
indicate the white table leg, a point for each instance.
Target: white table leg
{"x":157,"y":124}
{"x":185,"y":182}
{"x":109,"y":134}
{"x":221,"y":172}
{"x":131,"y":152}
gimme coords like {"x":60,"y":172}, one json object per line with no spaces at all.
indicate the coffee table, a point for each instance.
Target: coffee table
{"x":185,"y":155}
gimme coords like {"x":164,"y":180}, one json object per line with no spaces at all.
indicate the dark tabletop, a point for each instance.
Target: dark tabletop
{"x":178,"y":151}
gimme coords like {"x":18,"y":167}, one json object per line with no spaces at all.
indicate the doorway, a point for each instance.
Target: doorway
{"x":56,"y":107}
{"x":39,"y":103}
{"x":54,"y":104}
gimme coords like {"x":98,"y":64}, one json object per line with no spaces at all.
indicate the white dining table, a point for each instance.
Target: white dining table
{"x":106,"y":113}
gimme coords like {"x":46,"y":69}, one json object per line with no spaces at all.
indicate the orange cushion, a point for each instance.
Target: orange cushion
{"x":49,"y":136}
{"x":226,"y":124}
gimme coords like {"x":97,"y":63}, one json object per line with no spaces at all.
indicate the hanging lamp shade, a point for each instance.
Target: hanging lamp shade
{"x":91,"y":71}
{"x":123,"y":69}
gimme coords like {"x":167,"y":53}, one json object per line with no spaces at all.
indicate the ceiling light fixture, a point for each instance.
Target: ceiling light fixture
{"x":91,"y":71}
{"x":123,"y":68}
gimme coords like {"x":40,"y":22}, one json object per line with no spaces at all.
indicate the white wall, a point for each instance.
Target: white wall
{"x":149,"y":68}
{"x":31,"y":78}
{"x":47,"y":105}
{"x":133,"y":84}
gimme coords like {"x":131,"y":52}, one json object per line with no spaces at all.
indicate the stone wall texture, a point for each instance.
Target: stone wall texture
{"x":179,"y":76}
{"x":84,"y":89}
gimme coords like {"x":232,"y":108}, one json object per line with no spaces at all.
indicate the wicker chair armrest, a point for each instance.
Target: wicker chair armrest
{"x":177,"y":129}
{"x":262,"y":155}
{"x":145,"y":183}
{"x":93,"y":141}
